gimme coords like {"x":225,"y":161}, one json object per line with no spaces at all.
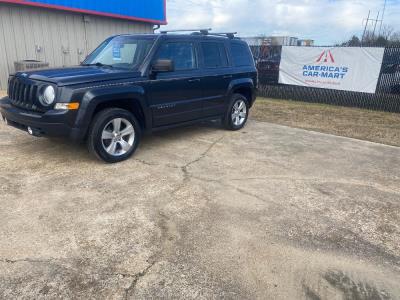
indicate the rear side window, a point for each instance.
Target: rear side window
{"x":181,"y":53}
{"x":214,"y":55}
{"x":241,"y":55}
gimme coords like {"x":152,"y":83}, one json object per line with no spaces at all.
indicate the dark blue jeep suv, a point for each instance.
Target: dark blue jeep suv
{"x":133,"y":84}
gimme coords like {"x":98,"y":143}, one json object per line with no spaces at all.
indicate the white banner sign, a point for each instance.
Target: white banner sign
{"x":338,"y":68}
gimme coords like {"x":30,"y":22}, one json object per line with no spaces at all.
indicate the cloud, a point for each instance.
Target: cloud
{"x":326,"y":21}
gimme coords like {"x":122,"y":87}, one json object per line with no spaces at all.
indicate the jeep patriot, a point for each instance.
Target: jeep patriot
{"x":136,"y":84}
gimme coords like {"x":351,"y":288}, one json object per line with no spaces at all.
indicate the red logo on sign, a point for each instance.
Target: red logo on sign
{"x":326,"y":56}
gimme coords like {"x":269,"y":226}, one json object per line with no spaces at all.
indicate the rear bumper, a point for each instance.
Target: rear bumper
{"x":52,"y":123}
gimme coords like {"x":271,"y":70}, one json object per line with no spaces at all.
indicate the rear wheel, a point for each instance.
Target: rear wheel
{"x":237,"y":113}
{"x":114,"y":135}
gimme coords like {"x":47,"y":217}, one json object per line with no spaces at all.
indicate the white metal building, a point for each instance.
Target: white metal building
{"x":57,"y":36}
{"x":271,"y":40}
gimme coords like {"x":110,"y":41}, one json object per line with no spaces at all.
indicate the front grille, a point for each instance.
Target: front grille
{"x":23,"y":94}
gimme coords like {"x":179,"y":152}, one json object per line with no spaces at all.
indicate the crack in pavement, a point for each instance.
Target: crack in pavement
{"x":165,"y":226}
{"x":186,"y":177}
{"x":184,"y":168}
{"x":53,"y":262}
{"x":319,"y":180}
{"x":316,"y":180}
{"x":145,"y":162}
{"x":228,"y":184}
{"x":137,"y":277}
{"x":29,"y":260}
{"x":204,"y":154}
{"x":375,"y":185}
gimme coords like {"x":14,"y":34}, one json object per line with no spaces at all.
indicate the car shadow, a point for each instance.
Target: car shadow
{"x":60,"y":147}
{"x":184,"y":131}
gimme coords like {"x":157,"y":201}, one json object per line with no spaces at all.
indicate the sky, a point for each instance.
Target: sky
{"x":325,"y":21}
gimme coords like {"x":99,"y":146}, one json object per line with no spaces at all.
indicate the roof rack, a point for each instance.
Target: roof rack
{"x":202,"y":31}
{"x":206,"y":31}
{"x":230,"y":35}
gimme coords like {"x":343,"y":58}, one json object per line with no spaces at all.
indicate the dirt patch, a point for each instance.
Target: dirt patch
{"x":2,"y":93}
{"x":374,"y":126}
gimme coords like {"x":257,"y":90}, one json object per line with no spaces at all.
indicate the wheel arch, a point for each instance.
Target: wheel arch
{"x":244,"y":87}
{"x":131,"y":105}
{"x":130,"y":98}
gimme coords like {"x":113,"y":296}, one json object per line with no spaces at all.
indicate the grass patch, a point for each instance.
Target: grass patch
{"x":374,"y":126}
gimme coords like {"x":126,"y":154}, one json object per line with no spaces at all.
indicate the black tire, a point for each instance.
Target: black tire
{"x":95,"y":142}
{"x":228,"y":118}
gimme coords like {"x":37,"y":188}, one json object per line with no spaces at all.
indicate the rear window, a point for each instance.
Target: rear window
{"x":241,"y":55}
{"x":214,"y":55}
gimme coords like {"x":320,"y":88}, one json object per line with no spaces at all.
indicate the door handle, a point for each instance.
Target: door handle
{"x":227,"y":76}
{"x":194,"y":80}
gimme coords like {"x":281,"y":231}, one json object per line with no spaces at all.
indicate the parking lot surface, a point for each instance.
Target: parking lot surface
{"x":269,"y":212}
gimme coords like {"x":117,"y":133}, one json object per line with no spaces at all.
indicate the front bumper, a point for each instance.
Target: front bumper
{"x":52,"y":123}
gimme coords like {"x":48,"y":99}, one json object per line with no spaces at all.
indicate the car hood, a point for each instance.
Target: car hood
{"x":78,"y":75}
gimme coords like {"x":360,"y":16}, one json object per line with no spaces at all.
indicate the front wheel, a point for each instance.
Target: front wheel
{"x":237,"y":113}
{"x":114,"y":135}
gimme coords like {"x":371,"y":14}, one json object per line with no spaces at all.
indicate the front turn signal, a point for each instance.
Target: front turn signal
{"x":67,"y":106}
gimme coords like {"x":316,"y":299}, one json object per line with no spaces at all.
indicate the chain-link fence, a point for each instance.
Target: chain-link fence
{"x":386,"y":97}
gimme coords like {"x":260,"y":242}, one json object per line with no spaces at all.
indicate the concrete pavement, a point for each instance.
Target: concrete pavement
{"x":269,"y":212}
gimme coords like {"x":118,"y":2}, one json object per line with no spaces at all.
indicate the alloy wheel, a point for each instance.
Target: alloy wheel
{"x":118,"y":137}
{"x":239,"y":113}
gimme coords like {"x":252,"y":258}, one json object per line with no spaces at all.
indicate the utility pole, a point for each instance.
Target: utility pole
{"x":376,"y":22}
{"x":365,"y":28}
{"x":383,"y":16}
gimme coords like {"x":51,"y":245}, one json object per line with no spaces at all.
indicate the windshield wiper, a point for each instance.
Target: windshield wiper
{"x":98,"y":64}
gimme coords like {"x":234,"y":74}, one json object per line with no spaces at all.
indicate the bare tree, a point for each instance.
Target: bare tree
{"x":395,"y":39}
{"x":388,"y":37}
{"x":387,"y":31}
{"x":395,"y":36}
{"x":369,"y":38}
{"x":353,"y":42}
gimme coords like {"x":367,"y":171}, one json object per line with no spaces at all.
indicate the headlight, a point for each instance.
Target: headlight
{"x":48,"y":96}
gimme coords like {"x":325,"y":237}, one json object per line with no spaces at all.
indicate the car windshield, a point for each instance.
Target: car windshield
{"x":126,"y":52}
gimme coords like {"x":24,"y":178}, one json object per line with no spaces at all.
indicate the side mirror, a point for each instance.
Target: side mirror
{"x":162,"y":66}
